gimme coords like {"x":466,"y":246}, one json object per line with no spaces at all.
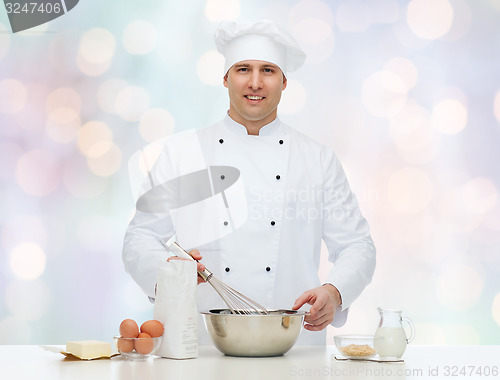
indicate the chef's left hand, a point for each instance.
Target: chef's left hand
{"x":324,"y":300}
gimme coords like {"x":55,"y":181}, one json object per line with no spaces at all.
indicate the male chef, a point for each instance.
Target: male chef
{"x":253,"y":199}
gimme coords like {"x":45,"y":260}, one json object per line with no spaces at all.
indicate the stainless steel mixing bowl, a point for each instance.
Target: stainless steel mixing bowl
{"x":253,"y":335}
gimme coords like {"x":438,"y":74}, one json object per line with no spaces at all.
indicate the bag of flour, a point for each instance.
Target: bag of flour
{"x":175,"y":307}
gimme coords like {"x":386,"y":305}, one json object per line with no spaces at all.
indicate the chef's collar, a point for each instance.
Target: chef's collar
{"x":267,"y":130}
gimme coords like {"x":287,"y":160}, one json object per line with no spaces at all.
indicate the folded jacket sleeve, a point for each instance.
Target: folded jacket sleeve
{"x":346,"y":235}
{"x":143,"y":248}
{"x":151,"y":226}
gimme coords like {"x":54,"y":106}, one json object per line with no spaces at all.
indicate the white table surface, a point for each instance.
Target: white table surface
{"x":18,"y":362}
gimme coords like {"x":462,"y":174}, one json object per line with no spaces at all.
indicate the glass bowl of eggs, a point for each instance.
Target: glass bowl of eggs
{"x":139,"y":344}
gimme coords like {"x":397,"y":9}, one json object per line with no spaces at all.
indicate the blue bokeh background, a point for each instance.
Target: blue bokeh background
{"x":407,"y":92}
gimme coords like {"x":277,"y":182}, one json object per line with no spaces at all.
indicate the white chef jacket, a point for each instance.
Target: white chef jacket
{"x":296,"y":195}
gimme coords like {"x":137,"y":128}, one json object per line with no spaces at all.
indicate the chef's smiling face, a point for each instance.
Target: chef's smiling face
{"x":254,"y":89}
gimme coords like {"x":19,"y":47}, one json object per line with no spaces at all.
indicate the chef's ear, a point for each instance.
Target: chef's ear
{"x":284,"y":82}
{"x":225,"y":79}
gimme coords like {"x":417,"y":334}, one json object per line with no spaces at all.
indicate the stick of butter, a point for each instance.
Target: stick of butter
{"x":89,"y":349}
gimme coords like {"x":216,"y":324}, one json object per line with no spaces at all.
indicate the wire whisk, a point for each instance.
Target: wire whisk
{"x":235,"y":301}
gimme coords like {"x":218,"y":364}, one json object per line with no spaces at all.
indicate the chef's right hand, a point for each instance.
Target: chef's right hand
{"x":197,"y":256}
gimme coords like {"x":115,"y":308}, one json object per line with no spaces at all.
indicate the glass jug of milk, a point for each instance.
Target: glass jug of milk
{"x":390,"y":338}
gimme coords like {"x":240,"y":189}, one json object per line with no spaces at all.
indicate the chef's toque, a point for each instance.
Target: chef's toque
{"x":262,"y":41}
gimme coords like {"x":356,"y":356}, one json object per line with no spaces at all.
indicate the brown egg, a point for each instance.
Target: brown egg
{"x":153,"y":328}
{"x":129,"y":329}
{"x":125,"y":344}
{"x":144,"y":345}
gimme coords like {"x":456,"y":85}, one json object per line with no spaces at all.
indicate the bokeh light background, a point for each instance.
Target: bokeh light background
{"x":407,"y":92}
